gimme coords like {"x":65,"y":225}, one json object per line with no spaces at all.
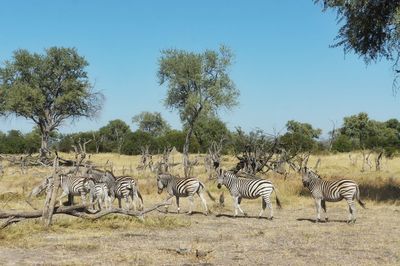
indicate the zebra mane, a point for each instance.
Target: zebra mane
{"x":312,"y":173}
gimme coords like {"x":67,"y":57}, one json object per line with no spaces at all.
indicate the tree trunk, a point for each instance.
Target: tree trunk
{"x":186,"y":151}
{"x":45,"y":143}
{"x":48,"y":212}
{"x":52,"y":192}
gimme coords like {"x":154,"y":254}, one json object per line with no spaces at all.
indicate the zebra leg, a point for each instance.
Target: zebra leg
{"x":271,"y":211}
{"x":131,"y":202}
{"x":177,"y":204}
{"x":62,"y":196}
{"x":318,"y":207}
{"x":191,"y":200}
{"x":203,"y":200}
{"x":235,"y":203}
{"x":239,"y":199}
{"x":166,"y":206}
{"x":352,"y":211}
{"x":323,"y":204}
{"x":127,"y":203}
{"x":107,"y":204}
{"x":119,"y":202}
{"x":262,"y":207}
{"x":83,"y":197}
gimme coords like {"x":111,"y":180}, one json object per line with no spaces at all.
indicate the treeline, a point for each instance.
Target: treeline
{"x":357,"y":132}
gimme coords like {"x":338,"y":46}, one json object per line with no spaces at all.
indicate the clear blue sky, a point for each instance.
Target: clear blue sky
{"x":283,"y":68}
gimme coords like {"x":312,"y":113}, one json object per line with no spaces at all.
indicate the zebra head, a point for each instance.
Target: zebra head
{"x":89,"y":184}
{"x":220,"y":177}
{"x":162,"y":182}
{"x":305,"y":176}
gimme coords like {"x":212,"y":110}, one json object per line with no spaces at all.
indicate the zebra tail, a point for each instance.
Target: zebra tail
{"x":358,"y":198}
{"x":203,"y":187}
{"x":278,"y":202}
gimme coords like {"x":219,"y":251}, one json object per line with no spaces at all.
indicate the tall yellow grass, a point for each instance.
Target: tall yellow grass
{"x":377,"y":186}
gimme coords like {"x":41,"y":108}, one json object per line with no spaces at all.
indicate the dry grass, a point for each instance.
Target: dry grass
{"x":292,"y":238}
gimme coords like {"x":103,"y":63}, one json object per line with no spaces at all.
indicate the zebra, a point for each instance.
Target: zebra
{"x":331,"y":191}
{"x":249,"y":189}
{"x":126,"y":187}
{"x":99,"y":193}
{"x":73,"y":186}
{"x":182,"y":187}
{"x":106,"y":177}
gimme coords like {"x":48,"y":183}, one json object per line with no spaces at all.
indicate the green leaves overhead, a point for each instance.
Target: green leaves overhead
{"x":197,"y":82}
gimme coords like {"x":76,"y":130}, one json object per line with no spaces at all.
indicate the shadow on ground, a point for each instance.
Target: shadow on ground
{"x":322,"y":221}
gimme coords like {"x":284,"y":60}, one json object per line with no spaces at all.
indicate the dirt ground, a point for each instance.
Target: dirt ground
{"x":292,"y":238}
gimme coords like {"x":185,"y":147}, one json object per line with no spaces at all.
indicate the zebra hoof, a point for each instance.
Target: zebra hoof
{"x":271,"y":218}
{"x":317,"y":221}
{"x":245,"y":214}
{"x":189,"y":213}
{"x":326,"y":219}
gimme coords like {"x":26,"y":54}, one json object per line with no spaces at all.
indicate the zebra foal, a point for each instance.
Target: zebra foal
{"x":182,"y":187}
{"x":248,"y":189}
{"x":98,"y":193}
{"x":331,"y":191}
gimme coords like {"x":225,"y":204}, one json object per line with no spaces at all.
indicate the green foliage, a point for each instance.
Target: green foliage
{"x":152,"y":123}
{"x":300,"y":137}
{"x":47,"y":88}
{"x":14,"y":142}
{"x":209,"y":129}
{"x":197,"y":82}
{"x":360,"y":132}
{"x":342,"y":143}
{"x":115,"y":133}
{"x":66,"y":142}
{"x":135,"y":140}
{"x":370,"y":28}
{"x":176,"y":138}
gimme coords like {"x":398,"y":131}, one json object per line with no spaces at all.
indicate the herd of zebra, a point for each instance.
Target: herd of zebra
{"x":103,"y":187}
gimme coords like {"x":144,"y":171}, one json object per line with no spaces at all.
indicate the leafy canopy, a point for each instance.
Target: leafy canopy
{"x":197,"y":82}
{"x":152,"y":123}
{"x":47,"y":88}
{"x":371,"y":28}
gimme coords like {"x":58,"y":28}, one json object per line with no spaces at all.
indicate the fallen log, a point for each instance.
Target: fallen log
{"x":80,"y":211}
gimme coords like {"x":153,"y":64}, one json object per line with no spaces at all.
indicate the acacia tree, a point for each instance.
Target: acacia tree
{"x":197,"y":83}
{"x":370,"y":28}
{"x":152,"y":123}
{"x":47,"y":89}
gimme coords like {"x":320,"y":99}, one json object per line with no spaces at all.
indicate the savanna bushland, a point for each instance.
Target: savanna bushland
{"x":291,"y":238}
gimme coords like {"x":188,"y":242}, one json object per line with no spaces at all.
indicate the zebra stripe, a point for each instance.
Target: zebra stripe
{"x":249,"y":189}
{"x":331,"y":191}
{"x":126,"y":187}
{"x":73,"y":186}
{"x":182,"y":187}
{"x":99,"y":193}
